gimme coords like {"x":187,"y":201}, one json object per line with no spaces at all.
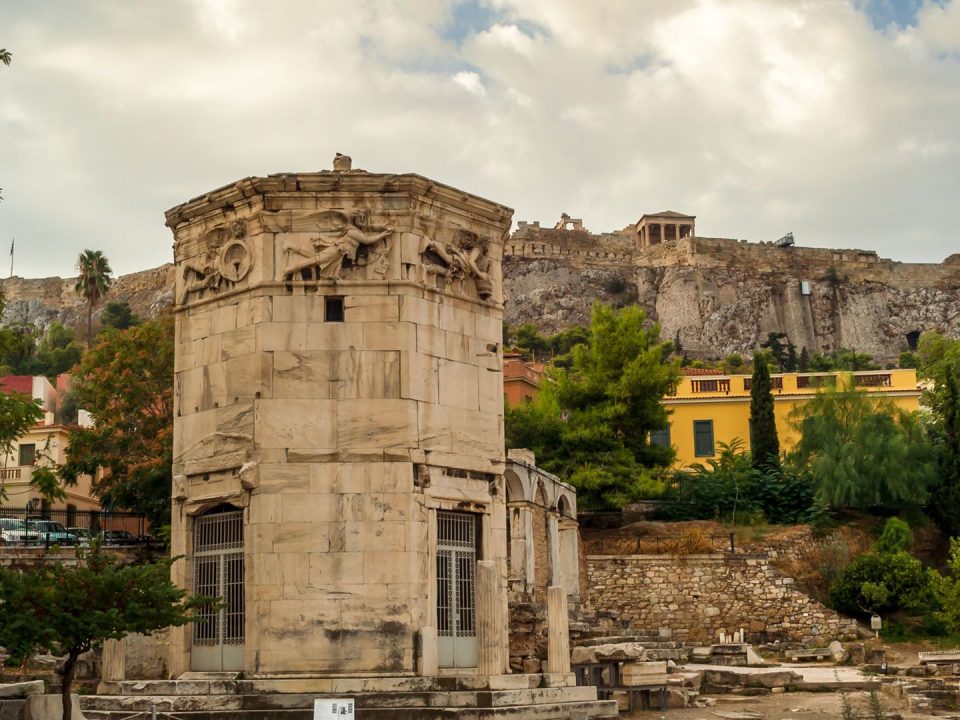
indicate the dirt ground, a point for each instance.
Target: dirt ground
{"x":787,"y":706}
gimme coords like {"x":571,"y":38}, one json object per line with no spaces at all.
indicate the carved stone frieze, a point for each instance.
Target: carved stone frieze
{"x":225,"y":261}
{"x":340,"y":247}
{"x":461,"y":266}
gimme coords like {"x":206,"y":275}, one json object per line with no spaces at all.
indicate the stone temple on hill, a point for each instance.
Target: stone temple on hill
{"x":339,"y":468}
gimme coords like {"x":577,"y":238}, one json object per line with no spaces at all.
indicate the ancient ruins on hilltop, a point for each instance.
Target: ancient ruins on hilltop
{"x":721,"y":295}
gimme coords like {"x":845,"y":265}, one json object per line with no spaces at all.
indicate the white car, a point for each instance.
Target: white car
{"x":17,"y":532}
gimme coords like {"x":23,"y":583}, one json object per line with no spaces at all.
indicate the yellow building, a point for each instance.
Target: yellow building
{"x":710,"y":409}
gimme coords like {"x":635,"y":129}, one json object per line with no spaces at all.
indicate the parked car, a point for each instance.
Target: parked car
{"x":84,"y":535}
{"x":51,"y":532}
{"x":14,"y":531}
{"x":118,"y":537}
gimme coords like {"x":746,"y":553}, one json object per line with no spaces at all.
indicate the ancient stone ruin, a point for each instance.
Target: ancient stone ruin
{"x":339,"y":453}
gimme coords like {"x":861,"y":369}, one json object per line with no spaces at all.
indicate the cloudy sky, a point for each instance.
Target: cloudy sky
{"x":838,"y":120}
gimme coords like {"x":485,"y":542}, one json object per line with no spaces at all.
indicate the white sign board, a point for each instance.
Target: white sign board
{"x":333,"y":709}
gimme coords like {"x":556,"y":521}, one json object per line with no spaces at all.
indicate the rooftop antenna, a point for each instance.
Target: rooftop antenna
{"x":786,"y":240}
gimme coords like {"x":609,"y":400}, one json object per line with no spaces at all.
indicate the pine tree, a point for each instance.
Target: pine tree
{"x":764,"y":443}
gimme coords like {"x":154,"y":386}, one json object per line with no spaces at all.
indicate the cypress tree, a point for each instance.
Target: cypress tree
{"x":764,"y":443}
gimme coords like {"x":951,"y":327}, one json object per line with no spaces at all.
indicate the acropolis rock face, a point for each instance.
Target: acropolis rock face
{"x":724,"y":296}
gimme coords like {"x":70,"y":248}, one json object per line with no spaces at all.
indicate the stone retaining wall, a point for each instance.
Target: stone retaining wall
{"x":697,"y":596}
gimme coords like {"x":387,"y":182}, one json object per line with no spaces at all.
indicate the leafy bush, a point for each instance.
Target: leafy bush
{"x":896,"y":536}
{"x":946,"y":590}
{"x":615,"y":285}
{"x":882,"y":583}
{"x":730,"y":483}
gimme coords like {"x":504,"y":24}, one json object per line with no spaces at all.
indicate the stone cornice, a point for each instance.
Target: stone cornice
{"x":353,"y":181}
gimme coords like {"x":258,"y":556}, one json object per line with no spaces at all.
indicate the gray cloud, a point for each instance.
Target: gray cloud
{"x":758,"y":116}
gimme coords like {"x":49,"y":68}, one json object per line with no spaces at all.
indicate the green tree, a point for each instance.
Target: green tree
{"x":57,"y":351}
{"x":881,"y":583}
{"x":803,"y":363}
{"x":862,"y":451}
{"x":591,"y":424}
{"x":792,"y":362}
{"x":764,"y":442}
{"x":896,"y":536}
{"x":6,"y":57}
{"x":777,"y":349}
{"x":944,"y":431}
{"x":18,"y":348}
{"x":852,"y":360}
{"x":72,"y":610}
{"x":125,"y":382}
{"x":18,"y":413}
{"x":93,"y":282}
{"x":908,"y":359}
{"x":118,"y":315}
{"x":946,"y":589}
{"x":528,"y":338}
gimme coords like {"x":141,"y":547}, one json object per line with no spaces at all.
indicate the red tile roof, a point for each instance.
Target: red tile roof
{"x":17,"y":384}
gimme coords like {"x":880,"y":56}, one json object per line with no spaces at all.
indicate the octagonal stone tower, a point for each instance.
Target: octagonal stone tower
{"x":338,"y":448}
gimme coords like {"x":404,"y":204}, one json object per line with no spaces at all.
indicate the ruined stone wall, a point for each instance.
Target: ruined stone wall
{"x":44,"y":300}
{"x":699,"y":595}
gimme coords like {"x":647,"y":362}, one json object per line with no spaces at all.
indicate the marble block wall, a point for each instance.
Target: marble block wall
{"x":338,"y":378}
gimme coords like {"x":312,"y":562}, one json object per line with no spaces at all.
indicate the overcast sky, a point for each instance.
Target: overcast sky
{"x":838,"y":120}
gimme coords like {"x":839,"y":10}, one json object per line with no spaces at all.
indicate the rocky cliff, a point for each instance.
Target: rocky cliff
{"x":41,"y":301}
{"x":723,"y":296}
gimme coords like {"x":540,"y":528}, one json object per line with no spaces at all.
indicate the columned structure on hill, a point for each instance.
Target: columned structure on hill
{"x":663,"y":226}
{"x":339,"y":426}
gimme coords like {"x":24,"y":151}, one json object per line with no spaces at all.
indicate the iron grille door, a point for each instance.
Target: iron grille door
{"x":218,"y":633}
{"x":456,"y":586}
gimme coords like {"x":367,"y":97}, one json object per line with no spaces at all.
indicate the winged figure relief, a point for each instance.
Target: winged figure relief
{"x":340,"y":241}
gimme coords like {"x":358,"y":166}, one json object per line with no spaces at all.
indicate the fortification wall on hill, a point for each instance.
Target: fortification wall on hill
{"x":852,"y":266}
{"x":43,"y":300}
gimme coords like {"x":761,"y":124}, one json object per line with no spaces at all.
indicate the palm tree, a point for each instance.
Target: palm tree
{"x":6,"y":57}
{"x":93,"y":282}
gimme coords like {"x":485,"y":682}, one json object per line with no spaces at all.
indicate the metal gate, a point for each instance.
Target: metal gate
{"x":456,"y":582}
{"x":218,"y":571}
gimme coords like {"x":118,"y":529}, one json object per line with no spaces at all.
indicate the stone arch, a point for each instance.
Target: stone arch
{"x":515,"y":486}
{"x":564,"y":506}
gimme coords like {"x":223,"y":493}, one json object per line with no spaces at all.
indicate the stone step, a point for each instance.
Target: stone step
{"x":365,"y":701}
{"x":589,"y":710}
{"x":325,"y":686}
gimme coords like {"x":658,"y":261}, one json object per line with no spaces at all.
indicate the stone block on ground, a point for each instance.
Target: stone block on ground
{"x":50,"y":707}
{"x":21,"y":689}
{"x":643,"y":673}
{"x":620,"y":651}
{"x":837,"y":653}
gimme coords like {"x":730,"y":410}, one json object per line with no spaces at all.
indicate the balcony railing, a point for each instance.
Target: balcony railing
{"x":12,"y":473}
{"x":873,"y":380}
{"x":710,"y":386}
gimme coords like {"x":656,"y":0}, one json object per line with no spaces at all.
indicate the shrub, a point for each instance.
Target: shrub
{"x":615,"y":285}
{"x":882,"y":583}
{"x":946,"y":590}
{"x":896,"y":536}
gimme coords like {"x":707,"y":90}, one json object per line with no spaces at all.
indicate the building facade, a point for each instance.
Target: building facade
{"x":338,"y":449}
{"x":46,"y":444}
{"x":521,"y":379}
{"x":707,"y":410}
